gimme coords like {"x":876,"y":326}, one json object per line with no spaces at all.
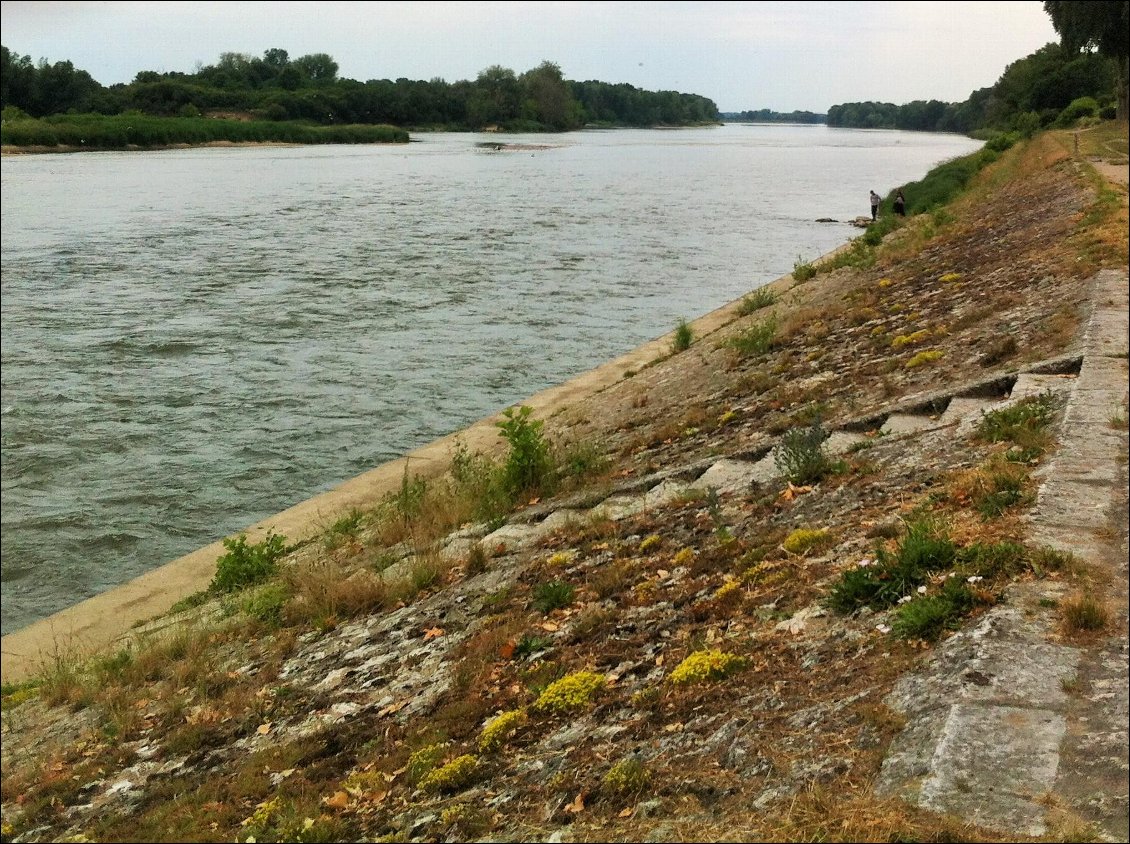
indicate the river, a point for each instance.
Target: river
{"x":193,"y":340}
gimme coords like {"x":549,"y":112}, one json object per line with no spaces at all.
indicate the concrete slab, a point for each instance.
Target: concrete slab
{"x":907,"y":423}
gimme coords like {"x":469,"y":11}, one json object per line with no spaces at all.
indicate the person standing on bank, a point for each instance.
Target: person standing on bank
{"x":900,"y":203}
{"x":874,"y":206}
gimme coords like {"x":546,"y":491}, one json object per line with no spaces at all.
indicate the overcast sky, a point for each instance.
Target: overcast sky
{"x":783,"y":56}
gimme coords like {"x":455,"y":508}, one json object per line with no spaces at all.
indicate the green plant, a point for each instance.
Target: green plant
{"x":714,"y":508}
{"x":800,"y":457}
{"x":345,"y":529}
{"x":528,"y":645}
{"x":992,"y":560}
{"x":528,"y":467}
{"x":683,"y":337}
{"x":803,"y":540}
{"x":755,"y":340}
{"x":803,"y":271}
{"x":422,"y":762}
{"x":245,"y":565}
{"x":928,"y":617}
{"x":1024,"y":423}
{"x":266,"y":603}
{"x":755,"y":301}
{"x":879,"y":583}
{"x":553,"y":595}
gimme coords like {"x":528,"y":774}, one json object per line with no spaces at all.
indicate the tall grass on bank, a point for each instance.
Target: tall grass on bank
{"x":120,"y":131}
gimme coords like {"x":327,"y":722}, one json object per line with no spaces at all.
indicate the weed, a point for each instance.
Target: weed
{"x":880,"y":583}
{"x":683,"y":337}
{"x":755,"y":301}
{"x":1024,"y":423}
{"x":800,"y":457}
{"x":985,"y":560}
{"x":529,"y":645}
{"x":266,"y":603}
{"x":553,"y":595}
{"x":755,"y":340}
{"x":1002,"y":349}
{"x":477,"y":560}
{"x":245,"y":565}
{"x":344,"y":530}
{"x":528,"y":467}
{"x":422,"y":762}
{"x":928,"y":617}
{"x":803,"y":271}
{"x":196,"y":599}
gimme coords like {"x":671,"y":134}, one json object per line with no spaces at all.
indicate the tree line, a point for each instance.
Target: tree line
{"x":275,"y":87}
{"x":766,"y":115}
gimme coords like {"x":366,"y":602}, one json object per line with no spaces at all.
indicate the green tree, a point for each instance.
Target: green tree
{"x":1096,"y":25}
{"x":548,"y":99}
{"x":319,"y":68}
{"x":496,"y":98}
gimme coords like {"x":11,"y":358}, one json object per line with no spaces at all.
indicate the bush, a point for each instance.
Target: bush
{"x":803,"y":271}
{"x":1076,"y":110}
{"x":245,"y":565}
{"x":755,"y":301}
{"x":529,"y":466}
{"x":628,"y":776}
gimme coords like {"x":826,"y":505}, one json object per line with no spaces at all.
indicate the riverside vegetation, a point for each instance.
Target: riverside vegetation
{"x":498,"y":652}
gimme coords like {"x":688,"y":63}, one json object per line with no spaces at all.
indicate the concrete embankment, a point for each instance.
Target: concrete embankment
{"x":97,"y":622}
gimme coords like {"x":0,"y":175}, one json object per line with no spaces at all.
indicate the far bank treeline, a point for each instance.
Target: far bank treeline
{"x":308,"y":91}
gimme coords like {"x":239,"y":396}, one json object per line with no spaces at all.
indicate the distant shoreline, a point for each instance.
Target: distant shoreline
{"x":12,"y":149}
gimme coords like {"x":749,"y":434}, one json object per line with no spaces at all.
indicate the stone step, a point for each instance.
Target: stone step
{"x":1029,"y":384}
{"x":907,"y":423}
{"x":841,"y":442}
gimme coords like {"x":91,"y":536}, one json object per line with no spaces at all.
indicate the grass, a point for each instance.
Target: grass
{"x":755,"y":340}
{"x":756,"y":301}
{"x":1084,"y":613}
{"x":683,"y":337}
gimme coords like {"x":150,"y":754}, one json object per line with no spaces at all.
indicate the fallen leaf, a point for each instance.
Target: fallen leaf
{"x":550,"y":626}
{"x":661,"y":573}
{"x":507,"y":650}
{"x":391,"y":708}
{"x":659,"y":660}
{"x":264,"y":728}
{"x":433,"y":633}
{"x":626,"y":813}
{"x":533,"y":501}
{"x":577,"y":806}
{"x":339,"y":801}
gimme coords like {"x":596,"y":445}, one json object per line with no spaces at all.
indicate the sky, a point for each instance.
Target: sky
{"x":784,"y":56}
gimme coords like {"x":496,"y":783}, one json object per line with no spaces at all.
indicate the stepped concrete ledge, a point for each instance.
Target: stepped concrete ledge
{"x":1008,"y":723}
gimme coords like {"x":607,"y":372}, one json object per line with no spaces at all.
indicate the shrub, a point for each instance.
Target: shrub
{"x":702,"y":666}
{"x":571,"y":693}
{"x":1001,"y":558}
{"x":1024,"y":423}
{"x":1077,"y":109}
{"x":683,"y":337}
{"x":928,"y":356}
{"x":244,"y":565}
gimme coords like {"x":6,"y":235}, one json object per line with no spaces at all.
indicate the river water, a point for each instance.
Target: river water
{"x":196,"y":339}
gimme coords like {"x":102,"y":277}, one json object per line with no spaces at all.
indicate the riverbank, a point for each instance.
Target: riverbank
{"x":696,"y":538}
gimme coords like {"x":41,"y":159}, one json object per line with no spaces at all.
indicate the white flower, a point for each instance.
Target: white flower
{"x":952,"y":574}
{"x":906,"y":598}
{"x":864,"y":563}
{"x":883,"y":628}
{"x":921,"y":590}
{"x":974,"y":579}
